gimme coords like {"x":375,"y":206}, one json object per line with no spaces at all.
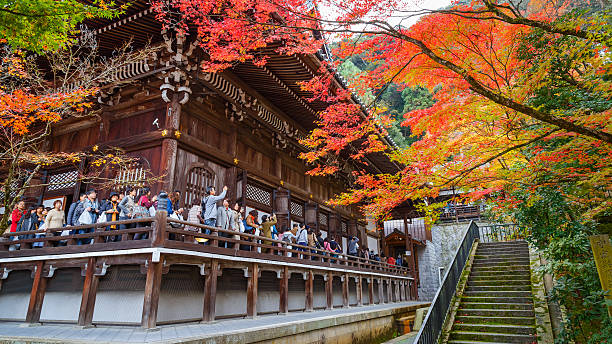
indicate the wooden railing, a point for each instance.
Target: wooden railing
{"x":149,"y":233}
{"x":460,"y":212}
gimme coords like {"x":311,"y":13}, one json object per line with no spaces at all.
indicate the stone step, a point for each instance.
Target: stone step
{"x":475,"y":319}
{"x":521,"y":259}
{"x":510,"y":263}
{"x":496,"y":305}
{"x":502,"y":293}
{"x":513,"y":329}
{"x":495,"y":312}
{"x":506,"y":269}
{"x":500,"y":275}
{"x":495,"y":285}
{"x":493,"y":337}
{"x":494,"y":281}
{"x":496,"y":299}
{"x":503,"y":243}
{"x":486,"y":255}
{"x":471,"y":342}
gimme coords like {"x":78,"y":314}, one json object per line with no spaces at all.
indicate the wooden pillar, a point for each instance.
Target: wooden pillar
{"x":252,"y":290}
{"x":309,"y":291}
{"x":345,"y":290}
{"x":381,"y":295}
{"x":389,"y":291}
{"x":397,"y":291}
{"x":334,"y":226}
{"x":88,"y":298}
{"x":359,"y":291}
{"x":328,"y":290}
{"x":282,"y":209}
{"x":210,"y":291}
{"x":284,"y":291}
{"x":311,"y":215}
{"x":37,"y":295}
{"x":151,"y":293}
{"x":158,"y":232}
{"x":371,"y":291}
{"x":170,"y":143}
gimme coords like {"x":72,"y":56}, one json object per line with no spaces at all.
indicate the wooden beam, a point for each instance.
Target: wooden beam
{"x":309,"y":291}
{"x":328,"y":290}
{"x":371,"y":291}
{"x":345,"y":291}
{"x":252,"y":290}
{"x":158,"y":232}
{"x":210,"y":291}
{"x":151,"y":294}
{"x":359,"y":291}
{"x":88,"y":298}
{"x":37,"y":294}
{"x":284,"y":291}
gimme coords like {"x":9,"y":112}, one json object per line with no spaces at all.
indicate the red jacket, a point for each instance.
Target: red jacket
{"x":15,"y":217}
{"x":391,"y":261}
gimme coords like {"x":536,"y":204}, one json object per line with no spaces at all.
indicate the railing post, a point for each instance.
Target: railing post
{"x":158,"y":232}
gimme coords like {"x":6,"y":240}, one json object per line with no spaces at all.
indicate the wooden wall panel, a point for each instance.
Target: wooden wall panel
{"x":76,"y":140}
{"x":137,"y":124}
{"x":187,"y":159}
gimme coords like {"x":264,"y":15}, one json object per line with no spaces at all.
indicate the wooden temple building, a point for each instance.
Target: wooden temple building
{"x":239,"y":128}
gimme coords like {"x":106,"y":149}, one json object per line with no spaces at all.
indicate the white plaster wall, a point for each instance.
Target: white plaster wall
{"x":61,"y":306}
{"x":337,"y":292}
{"x":352,"y":291}
{"x":180,"y":305}
{"x":320,"y":298}
{"x":118,"y":306}
{"x":14,"y":306}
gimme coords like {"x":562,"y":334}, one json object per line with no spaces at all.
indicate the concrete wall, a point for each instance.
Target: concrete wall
{"x":439,"y":252}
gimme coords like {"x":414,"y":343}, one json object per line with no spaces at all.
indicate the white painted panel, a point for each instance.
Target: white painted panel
{"x":118,"y":306}
{"x":14,"y":306}
{"x":61,"y":306}
{"x":372,"y":244}
{"x":344,"y":245}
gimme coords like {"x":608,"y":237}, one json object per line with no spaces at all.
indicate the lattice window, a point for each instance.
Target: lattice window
{"x":198,"y":178}
{"x":131,"y":176}
{"x":259,"y":195}
{"x":322,"y":218}
{"x":14,"y":189}
{"x":297,"y":209}
{"x":60,"y":181}
{"x":344,"y":227}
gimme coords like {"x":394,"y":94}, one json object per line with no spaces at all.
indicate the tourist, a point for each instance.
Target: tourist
{"x":312,"y":242}
{"x":55,"y":217}
{"x":399,"y":260}
{"x":193,"y":216}
{"x":353,"y":247}
{"x":16,"y":215}
{"x":266,"y":230}
{"x":73,"y":217}
{"x":127,"y":208}
{"x":174,"y":200}
{"x":89,"y":215}
{"x":250,"y":227}
{"x":225,"y":221}
{"x":391,"y":261}
{"x":28,"y":222}
{"x":145,"y":200}
{"x":288,"y":237}
{"x":237,"y":217}
{"x":111,"y":212}
{"x":209,"y":206}
{"x":302,"y":238}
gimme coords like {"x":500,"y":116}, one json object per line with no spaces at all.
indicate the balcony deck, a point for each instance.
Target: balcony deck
{"x":174,"y":262}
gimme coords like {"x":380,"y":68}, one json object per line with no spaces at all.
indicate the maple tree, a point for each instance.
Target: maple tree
{"x":34,"y":100}
{"x":522,"y":104}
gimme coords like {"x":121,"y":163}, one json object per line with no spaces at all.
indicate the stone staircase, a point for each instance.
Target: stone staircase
{"x":497,"y":303}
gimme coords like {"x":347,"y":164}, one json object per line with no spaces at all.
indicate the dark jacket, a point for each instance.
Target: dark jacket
{"x":78,"y":210}
{"x":25,"y":224}
{"x":71,"y":213}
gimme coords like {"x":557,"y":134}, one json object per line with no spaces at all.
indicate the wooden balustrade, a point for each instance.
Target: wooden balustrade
{"x":149,"y":233}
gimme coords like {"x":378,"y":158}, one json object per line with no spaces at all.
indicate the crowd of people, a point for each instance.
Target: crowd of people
{"x":139,"y":203}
